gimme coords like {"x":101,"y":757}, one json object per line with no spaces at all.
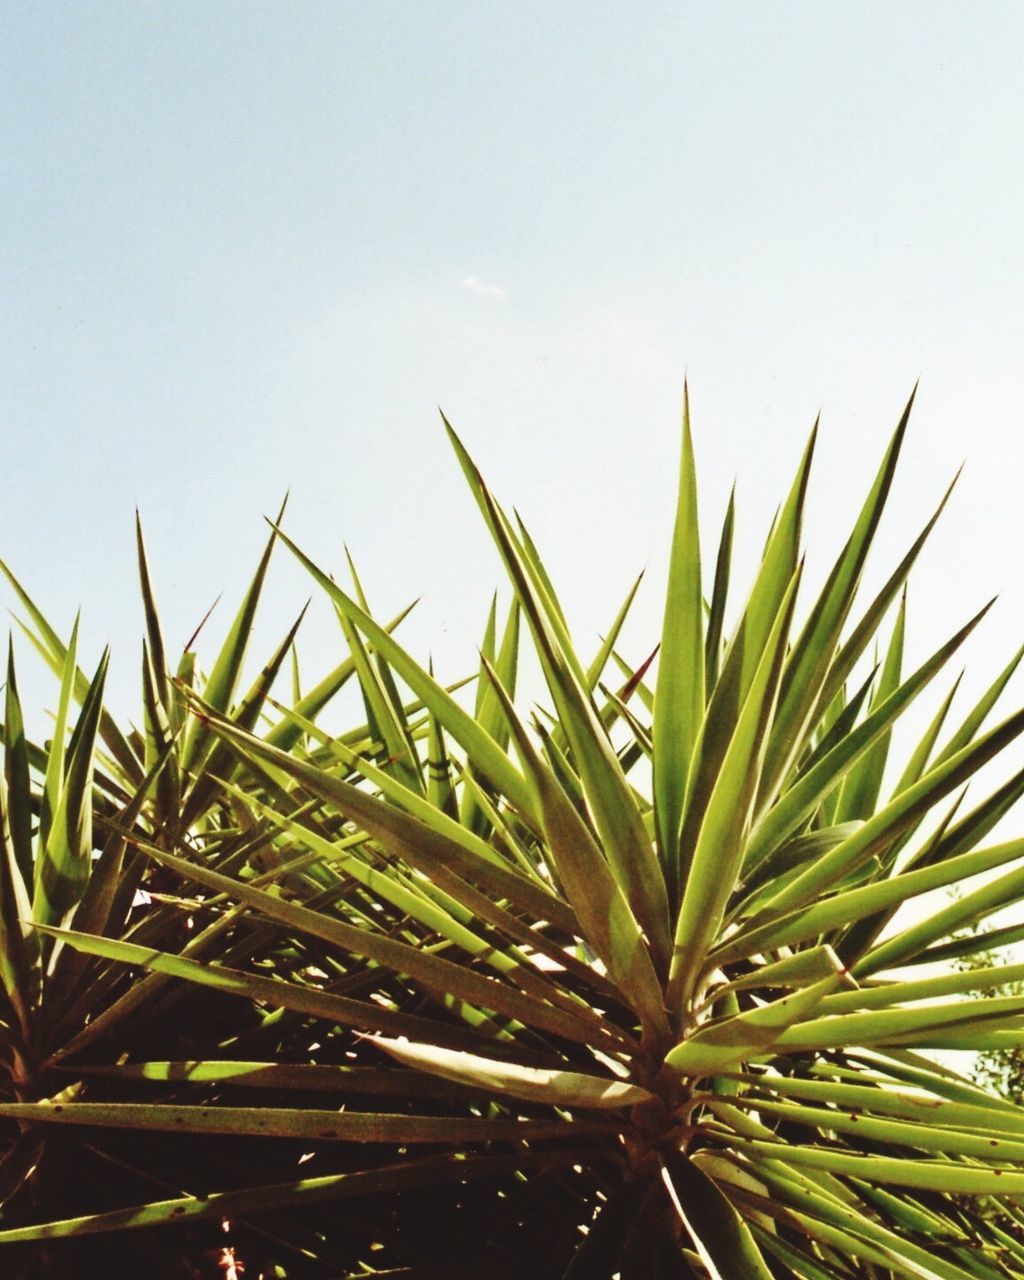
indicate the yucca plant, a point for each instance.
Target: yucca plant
{"x":631,"y":975}
{"x":71,"y":813}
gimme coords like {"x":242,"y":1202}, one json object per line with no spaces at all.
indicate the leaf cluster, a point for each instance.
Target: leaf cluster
{"x":646,"y":982}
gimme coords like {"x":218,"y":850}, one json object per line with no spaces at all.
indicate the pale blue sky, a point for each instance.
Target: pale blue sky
{"x":253,"y":245}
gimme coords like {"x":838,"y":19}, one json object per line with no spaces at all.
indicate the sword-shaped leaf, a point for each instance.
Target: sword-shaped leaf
{"x":218,"y":761}
{"x":862,"y":784}
{"x":719,"y":597}
{"x":421,"y":899}
{"x":223,"y":679}
{"x":399,"y":754}
{"x":407,"y":837}
{"x":902,"y":1133}
{"x":854,"y":751}
{"x":721,"y":1046}
{"x":286,"y":733}
{"x":907,"y":1024}
{"x":596,"y":669}
{"x":18,"y":950}
{"x":746,"y":650}
{"x":294,"y":1122}
{"x":16,"y":777}
{"x":487,"y":756}
{"x":941,"y":924}
{"x":510,"y":1079}
{"x":718,"y":854}
{"x":53,"y":780}
{"x":722,"y":1239}
{"x":154,"y":633}
{"x":976,"y":716}
{"x":624,"y":840}
{"x":855,"y":904}
{"x":946,"y":1176}
{"x":66,"y":858}
{"x":221,"y":1205}
{"x":807,"y":668}
{"x":900,"y":814}
{"x":440,"y":782}
{"x":849,"y":1235}
{"x":301,"y":1076}
{"x":921,"y":1108}
{"x":600,"y":905}
{"x":363,"y":1015}
{"x":575,"y":1022}
{"x":853,"y":648}
{"x":679,"y":689}
{"x":55,"y":653}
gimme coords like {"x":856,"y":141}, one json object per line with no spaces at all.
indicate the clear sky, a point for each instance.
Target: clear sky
{"x":245,"y":246}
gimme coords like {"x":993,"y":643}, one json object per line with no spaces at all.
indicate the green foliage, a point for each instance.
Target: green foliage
{"x":619,"y":988}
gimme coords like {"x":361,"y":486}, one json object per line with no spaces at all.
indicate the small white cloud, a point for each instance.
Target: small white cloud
{"x":475,"y":285}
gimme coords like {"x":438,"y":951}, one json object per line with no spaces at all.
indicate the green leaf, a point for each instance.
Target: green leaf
{"x":223,"y":679}
{"x":219,"y":1205}
{"x":293,"y":1122}
{"x":487,"y":756}
{"x":399,"y":754}
{"x":807,"y":668}
{"x":745,"y":653}
{"x":624,"y":840}
{"x":413,"y":898}
{"x":55,"y":653}
{"x":795,"y":970}
{"x":302,"y":1077}
{"x":856,"y":750}
{"x":722,"y":1045}
{"x":880,"y":832}
{"x":945,"y":1176}
{"x":944,"y":922}
{"x":863,"y":783}
{"x":16,"y":776}
{"x":154,"y":634}
{"x":604,"y":913}
{"x":529,"y":1084}
{"x":719,"y":596}
{"x":596,"y":668}
{"x":925,"y":1137}
{"x":722,"y":1239}
{"x":436,"y":972}
{"x":718,"y":854}
{"x":66,"y":861}
{"x":17,"y":948}
{"x":860,"y":638}
{"x":408,"y":838}
{"x":679,"y":690}
{"x":912,"y":1025}
{"x":440,"y":784}
{"x":473,"y":809}
{"x":779,"y":564}
{"x":919,"y":757}
{"x":159,"y":744}
{"x":340,"y":1010}
{"x":54,"y":777}
{"x":286,"y":734}
{"x":976,"y":717}
{"x":220,"y":758}
{"x":921,"y":1108}
{"x":849,"y":1234}
{"x":854,"y":904}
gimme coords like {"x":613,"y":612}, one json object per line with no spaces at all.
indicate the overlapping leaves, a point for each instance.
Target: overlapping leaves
{"x":667,"y":947}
